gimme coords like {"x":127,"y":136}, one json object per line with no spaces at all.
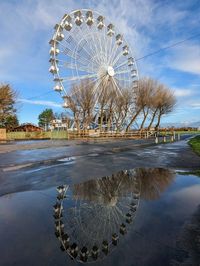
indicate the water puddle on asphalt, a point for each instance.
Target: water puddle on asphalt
{"x":144,"y":216}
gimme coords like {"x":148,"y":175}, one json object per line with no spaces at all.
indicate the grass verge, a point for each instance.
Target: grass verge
{"x":194,"y":172}
{"x":195,"y":144}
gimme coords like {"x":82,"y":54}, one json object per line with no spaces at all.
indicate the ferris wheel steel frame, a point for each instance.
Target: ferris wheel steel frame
{"x":87,"y":47}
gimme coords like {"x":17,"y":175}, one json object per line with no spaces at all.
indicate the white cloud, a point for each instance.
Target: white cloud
{"x":183,"y":92}
{"x":44,"y":103}
{"x":185,"y":58}
{"x":195,"y":105}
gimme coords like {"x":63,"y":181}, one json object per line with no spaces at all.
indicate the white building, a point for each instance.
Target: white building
{"x":58,"y":124}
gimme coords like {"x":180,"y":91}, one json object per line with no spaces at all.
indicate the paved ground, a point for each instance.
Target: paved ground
{"x":45,"y":163}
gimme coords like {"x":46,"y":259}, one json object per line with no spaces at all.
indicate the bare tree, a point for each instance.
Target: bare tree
{"x":103,"y":102}
{"x":110,"y":109}
{"x":123,"y":104}
{"x":147,"y":91}
{"x":141,"y":98}
{"x":152,"y":99}
{"x":81,"y":102}
{"x":73,"y":104}
{"x":162,"y":103}
{"x":165,"y":105}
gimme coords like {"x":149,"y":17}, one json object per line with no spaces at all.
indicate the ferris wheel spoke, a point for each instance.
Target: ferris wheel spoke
{"x":117,"y":216}
{"x":99,"y":60}
{"x":121,"y":65}
{"x":79,"y":68}
{"x":109,"y":46}
{"x":105,"y":43}
{"x":122,"y":72}
{"x":123,"y":79}
{"x":98,"y":83}
{"x":93,"y":51}
{"x":97,"y":54}
{"x":100,"y":48}
{"x":116,"y":59}
{"x":119,"y":211}
{"x":77,"y":39}
{"x":79,"y":77}
{"x":70,"y":54}
{"x":88,"y":42}
{"x":116,"y":86}
{"x":113,"y":53}
{"x":84,"y":53}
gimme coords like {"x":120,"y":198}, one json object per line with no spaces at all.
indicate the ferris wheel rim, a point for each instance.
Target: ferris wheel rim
{"x":73,"y":12}
{"x":121,"y":72}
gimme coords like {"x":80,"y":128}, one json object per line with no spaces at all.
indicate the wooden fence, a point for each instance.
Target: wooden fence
{"x":37,"y":135}
{"x":115,"y":135}
{"x":2,"y":134}
{"x":63,"y":134}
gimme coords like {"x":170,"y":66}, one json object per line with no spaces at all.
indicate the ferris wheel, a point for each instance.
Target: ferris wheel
{"x":87,"y":47}
{"x":91,"y":218}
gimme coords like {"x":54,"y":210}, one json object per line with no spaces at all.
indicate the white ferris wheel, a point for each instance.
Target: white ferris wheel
{"x":87,"y":47}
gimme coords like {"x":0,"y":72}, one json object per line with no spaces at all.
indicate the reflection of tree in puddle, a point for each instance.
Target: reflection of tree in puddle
{"x":154,"y":181}
{"x":189,"y":242}
{"x":97,"y":213}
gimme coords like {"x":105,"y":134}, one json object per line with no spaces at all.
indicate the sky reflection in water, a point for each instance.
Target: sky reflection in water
{"x":134,"y":217}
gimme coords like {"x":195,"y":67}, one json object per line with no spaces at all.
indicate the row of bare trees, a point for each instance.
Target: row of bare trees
{"x":142,"y":106}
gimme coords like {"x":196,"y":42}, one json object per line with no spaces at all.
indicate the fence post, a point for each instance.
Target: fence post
{"x":156,"y":140}
{"x":174,"y":135}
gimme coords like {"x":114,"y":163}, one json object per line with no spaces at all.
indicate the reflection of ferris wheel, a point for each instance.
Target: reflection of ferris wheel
{"x":90,"y":224}
{"x":87,"y":47}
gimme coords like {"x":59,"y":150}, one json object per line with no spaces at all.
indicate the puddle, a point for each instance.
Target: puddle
{"x":93,"y":154}
{"x":144,"y":216}
{"x":66,"y":159}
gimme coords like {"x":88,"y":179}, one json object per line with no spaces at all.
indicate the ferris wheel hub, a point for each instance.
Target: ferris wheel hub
{"x":110,"y":71}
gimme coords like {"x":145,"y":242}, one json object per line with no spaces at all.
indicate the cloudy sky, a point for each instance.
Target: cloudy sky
{"x":148,"y":25}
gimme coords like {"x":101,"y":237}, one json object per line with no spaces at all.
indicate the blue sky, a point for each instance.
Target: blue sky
{"x":148,"y":25}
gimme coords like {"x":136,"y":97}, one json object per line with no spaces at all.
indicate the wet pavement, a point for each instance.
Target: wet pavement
{"x":167,"y":203}
{"x":22,"y":169}
{"x":134,"y":217}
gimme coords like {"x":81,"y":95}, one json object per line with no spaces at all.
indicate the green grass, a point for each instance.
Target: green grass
{"x":189,"y":132}
{"x":195,"y":144}
{"x":195,"y":172}
{"x":180,"y":132}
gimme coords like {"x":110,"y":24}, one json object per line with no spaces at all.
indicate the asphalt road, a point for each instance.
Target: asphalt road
{"x":47,"y":165}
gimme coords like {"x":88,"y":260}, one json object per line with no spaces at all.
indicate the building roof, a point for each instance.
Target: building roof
{"x":28,"y":124}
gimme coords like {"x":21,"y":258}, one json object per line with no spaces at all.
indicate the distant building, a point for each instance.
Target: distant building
{"x":58,"y":124}
{"x":27,"y":127}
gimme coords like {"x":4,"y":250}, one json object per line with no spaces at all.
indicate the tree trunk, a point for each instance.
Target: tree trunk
{"x":123,"y":119}
{"x":101,"y":119}
{"x":158,"y":122}
{"x":133,"y":119}
{"x":144,"y":119}
{"x":153,"y":117}
{"x":110,"y":116}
